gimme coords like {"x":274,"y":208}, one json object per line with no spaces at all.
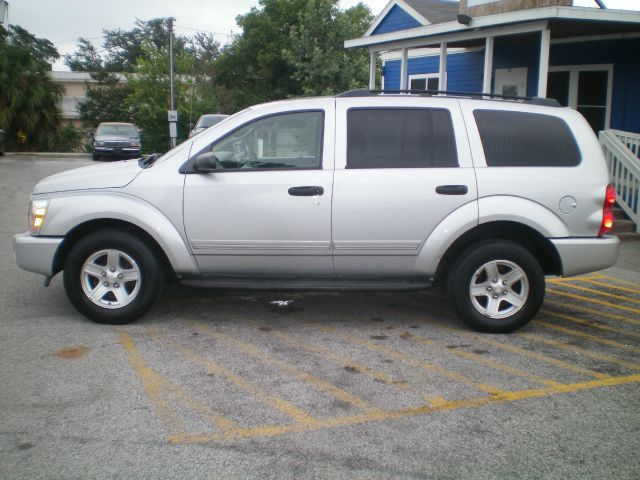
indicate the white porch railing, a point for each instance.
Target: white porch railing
{"x":622,"y":151}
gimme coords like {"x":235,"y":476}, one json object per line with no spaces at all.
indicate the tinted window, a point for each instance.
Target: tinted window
{"x":400,"y":138}
{"x":292,"y":140}
{"x":518,"y":139}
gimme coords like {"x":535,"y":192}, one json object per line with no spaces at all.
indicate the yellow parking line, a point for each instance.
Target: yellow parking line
{"x":593,"y":338}
{"x":410,"y":360}
{"x":587,"y":353}
{"x":620,"y":280}
{"x":608,"y":285}
{"x":152,"y":383}
{"x":361,"y":418}
{"x":590,"y":323}
{"x":304,"y":376}
{"x":211,"y":366}
{"x":512,"y":348}
{"x":601,"y":293}
{"x":591,"y":311}
{"x":569,"y":279}
{"x":474,"y":357}
{"x":593,"y":300}
{"x":345,"y":362}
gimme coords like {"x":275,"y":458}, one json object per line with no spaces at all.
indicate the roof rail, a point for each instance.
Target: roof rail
{"x":363,"y":92}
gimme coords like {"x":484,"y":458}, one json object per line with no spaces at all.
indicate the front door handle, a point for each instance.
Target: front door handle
{"x":306,"y":191}
{"x":452,"y":189}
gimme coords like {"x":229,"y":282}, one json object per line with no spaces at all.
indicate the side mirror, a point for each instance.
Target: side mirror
{"x":205,"y":163}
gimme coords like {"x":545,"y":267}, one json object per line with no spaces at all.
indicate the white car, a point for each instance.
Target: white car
{"x":359,"y":191}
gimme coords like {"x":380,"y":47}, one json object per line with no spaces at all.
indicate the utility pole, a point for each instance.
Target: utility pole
{"x":172,"y":114}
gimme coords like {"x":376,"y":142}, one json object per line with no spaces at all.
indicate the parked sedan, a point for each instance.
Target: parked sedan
{"x":206,"y":121}
{"x":116,"y":140}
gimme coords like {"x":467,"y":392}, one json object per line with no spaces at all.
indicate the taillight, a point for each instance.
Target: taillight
{"x":607,"y":210}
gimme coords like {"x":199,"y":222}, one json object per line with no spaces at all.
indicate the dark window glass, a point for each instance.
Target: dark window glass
{"x":400,"y":138}
{"x":592,"y":88}
{"x":433,"y":83}
{"x":418,"y":84}
{"x":558,"y":87}
{"x":518,"y":139}
{"x":595,"y":116}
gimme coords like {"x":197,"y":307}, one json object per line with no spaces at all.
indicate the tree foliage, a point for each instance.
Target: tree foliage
{"x":292,"y":48}
{"x":29,"y":99}
{"x":287,"y":48}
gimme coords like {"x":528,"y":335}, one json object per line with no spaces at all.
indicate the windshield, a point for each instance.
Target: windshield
{"x":207,"y":120}
{"x":120,"y":130}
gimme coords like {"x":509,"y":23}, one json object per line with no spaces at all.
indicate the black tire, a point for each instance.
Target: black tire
{"x":95,"y":156}
{"x":502,"y":306}
{"x":123,"y":301}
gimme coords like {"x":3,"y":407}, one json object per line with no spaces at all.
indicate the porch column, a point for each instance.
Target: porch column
{"x":443,"y":67}
{"x":404,"y":69}
{"x":543,"y":68}
{"x":488,"y":65}
{"x":372,"y":70}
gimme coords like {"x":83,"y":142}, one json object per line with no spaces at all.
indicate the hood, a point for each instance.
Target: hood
{"x":107,"y":175}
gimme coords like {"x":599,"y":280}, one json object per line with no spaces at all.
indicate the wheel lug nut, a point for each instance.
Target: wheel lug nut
{"x":120,"y":276}
{"x":112,"y":269}
{"x":495,"y":280}
{"x":495,"y":296}
{"x":106,"y":284}
{"x":489,"y":289}
{"x":104,"y":274}
{"x":504,"y":283}
{"x":116,"y":285}
{"x":506,"y":292}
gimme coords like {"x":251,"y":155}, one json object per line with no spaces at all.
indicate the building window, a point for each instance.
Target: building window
{"x":429,"y":81}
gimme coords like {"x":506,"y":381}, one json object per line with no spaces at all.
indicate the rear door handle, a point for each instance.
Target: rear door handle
{"x":306,"y":191}
{"x":452,"y":189}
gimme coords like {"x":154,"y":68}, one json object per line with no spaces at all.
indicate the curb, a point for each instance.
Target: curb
{"x":48,"y":154}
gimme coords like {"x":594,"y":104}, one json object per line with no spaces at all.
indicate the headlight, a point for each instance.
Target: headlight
{"x":37,"y":211}
{"x":98,"y":144}
{"x":135,"y":144}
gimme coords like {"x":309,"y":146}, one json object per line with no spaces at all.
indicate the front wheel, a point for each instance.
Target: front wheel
{"x":111,"y":276}
{"x":496,"y":286}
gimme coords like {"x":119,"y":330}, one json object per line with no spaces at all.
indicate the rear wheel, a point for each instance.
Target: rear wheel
{"x":496,"y":286}
{"x":111,"y":276}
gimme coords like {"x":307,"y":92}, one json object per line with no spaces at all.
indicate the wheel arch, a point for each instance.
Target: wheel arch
{"x":540,"y":247}
{"x":81,"y":230}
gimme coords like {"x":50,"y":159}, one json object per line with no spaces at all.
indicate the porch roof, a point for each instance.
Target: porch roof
{"x":563,"y":22}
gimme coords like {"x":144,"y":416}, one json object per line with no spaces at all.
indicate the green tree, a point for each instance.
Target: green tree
{"x":29,"y":99}
{"x":292,"y":48}
{"x":149,"y":95}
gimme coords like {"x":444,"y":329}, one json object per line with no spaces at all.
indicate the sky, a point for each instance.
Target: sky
{"x":63,"y":21}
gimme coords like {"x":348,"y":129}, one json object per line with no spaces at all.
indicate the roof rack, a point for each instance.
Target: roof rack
{"x":363,"y":92}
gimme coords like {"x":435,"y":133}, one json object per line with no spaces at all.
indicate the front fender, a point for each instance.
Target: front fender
{"x":68,"y":211}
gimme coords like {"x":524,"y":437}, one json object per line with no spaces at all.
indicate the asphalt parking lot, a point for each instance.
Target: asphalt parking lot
{"x":214,"y":384}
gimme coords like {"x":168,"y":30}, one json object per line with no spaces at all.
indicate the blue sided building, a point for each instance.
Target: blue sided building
{"x":586,"y":58}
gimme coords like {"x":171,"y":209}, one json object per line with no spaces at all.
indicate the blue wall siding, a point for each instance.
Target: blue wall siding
{"x":396,"y":19}
{"x":465,"y":70}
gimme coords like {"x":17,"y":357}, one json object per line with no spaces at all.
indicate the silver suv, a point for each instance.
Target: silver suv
{"x":361,"y":191}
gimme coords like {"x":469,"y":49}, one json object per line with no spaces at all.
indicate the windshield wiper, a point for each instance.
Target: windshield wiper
{"x":146,"y":162}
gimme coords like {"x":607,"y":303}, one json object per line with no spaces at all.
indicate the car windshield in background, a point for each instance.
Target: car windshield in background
{"x":123,"y":130}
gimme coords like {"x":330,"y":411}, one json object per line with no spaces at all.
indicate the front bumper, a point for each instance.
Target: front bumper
{"x":36,"y":254}
{"x":584,"y":255}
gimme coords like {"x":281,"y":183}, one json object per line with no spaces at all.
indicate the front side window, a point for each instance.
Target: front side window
{"x":400,"y":138}
{"x":519,"y":139}
{"x":283,"y":141}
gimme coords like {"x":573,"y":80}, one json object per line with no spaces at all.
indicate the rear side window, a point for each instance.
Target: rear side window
{"x":519,"y":139}
{"x":400,"y":138}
